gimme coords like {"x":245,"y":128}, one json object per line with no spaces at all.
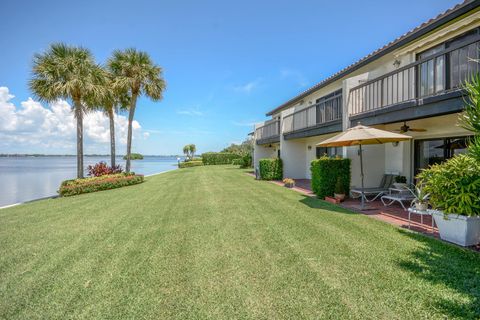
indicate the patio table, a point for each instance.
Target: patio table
{"x":421,"y":213}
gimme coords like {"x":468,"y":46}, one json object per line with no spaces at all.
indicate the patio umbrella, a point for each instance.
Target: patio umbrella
{"x":362,"y":135}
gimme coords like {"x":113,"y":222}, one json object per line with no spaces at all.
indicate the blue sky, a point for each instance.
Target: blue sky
{"x":226,"y":62}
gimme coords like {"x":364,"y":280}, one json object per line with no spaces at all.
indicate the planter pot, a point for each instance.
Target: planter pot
{"x":461,"y":230}
{"x":421,"y":206}
{"x":339,"y":196}
{"x":399,"y":185}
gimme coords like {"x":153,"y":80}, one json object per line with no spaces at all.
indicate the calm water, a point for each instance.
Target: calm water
{"x":29,"y":178}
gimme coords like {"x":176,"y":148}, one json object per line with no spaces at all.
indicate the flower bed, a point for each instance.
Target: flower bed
{"x":106,"y":182}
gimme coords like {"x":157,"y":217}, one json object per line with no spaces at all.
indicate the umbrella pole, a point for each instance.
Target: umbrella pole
{"x":361,"y":176}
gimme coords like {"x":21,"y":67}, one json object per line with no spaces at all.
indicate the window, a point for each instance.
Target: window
{"x":448,"y":70}
{"x":329,"y":107}
{"x":328,"y":151}
{"x":431,"y":72}
{"x":433,"y":151}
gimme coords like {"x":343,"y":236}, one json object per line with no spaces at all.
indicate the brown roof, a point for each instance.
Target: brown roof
{"x":411,"y":35}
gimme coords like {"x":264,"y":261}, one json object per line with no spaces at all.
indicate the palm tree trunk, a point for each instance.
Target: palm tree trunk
{"x":79,"y":117}
{"x":111,"y":116}
{"x":131,"y":113}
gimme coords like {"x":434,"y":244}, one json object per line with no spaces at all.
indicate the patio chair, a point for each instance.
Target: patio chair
{"x":375,"y":192}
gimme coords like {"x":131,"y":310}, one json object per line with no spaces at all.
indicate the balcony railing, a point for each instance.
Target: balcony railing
{"x":319,"y":113}
{"x":269,"y":130}
{"x":439,"y":73}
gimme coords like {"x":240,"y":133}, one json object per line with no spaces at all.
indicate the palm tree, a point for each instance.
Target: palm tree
{"x":110,"y":101}
{"x":70,"y":73}
{"x":135,"y":73}
{"x":186,"y":151}
{"x":193,"y":149}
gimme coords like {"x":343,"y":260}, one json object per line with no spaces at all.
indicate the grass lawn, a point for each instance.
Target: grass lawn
{"x":211,"y":242}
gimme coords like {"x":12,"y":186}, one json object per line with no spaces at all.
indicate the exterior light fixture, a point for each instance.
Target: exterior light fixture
{"x":309,"y":147}
{"x":396,"y":63}
{"x":395,"y":144}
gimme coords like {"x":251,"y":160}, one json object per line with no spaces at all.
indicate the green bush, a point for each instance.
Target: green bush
{"x":325,"y":173}
{"x":106,"y":182}
{"x":134,"y":156}
{"x":244,"y":162}
{"x":237,"y":162}
{"x":271,"y":169}
{"x":454,"y":185}
{"x":188,"y":164}
{"x":247,"y":161}
{"x":214,"y":158}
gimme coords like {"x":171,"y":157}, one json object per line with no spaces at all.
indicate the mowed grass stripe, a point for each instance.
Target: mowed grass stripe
{"x":211,"y":242}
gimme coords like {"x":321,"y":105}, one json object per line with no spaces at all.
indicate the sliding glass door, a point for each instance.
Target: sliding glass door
{"x":433,"y":151}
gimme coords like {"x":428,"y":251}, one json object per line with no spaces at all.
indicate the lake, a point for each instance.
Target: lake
{"x":28,"y":178}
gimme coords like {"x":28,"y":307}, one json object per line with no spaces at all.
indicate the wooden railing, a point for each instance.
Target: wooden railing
{"x":319,"y":113}
{"x":436,"y":74}
{"x":270,"y":129}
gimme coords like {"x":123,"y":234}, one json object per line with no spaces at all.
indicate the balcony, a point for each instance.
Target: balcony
{"x":268,"y":133}
{"x":323,"y":117}
{"x":429,"y":86}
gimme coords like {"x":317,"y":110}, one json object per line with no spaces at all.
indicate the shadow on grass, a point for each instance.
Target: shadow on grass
{"x":449,"y":266}
{"x":315,"y":203}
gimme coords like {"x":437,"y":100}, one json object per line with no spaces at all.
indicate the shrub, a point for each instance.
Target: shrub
{"x":237,"y":162}
{"x":325,"y":173}
{"x":188,"y":164}
{"x":106,"y":182}
{"x":339,"y":187}
{"x":454,"y":185}
{"x":271,"y":169}
{"x":401,"y":179}
{"x":247,"y":161}
{"x":214,"y":158}
{"x":134,"y":156}
{"x":101,"y":169}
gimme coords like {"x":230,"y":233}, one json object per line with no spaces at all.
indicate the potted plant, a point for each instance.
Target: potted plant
{"x":339,"y":193}
{"x":289,"y":183}
{"x":454,"y":188}
{"x":421,"y":198}
{"x":400,"y":182}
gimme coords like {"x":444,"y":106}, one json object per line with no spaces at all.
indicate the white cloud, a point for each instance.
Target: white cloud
{"x":248,"y":87}
{"x":54,"y":127}
{"x":193,"y":112}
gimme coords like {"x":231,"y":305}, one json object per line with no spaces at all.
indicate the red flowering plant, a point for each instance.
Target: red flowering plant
{"x":101,"y":169}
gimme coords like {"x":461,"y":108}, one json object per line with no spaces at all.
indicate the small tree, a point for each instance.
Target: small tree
{"x":186,"y":151}
{"x":192,"y":149}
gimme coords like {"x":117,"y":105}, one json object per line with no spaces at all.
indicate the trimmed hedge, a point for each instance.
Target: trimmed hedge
{"x":237,"y":162}
{"x":106,"y":182}
{"x":271,"y":169}
{"x":214,"y":158}
{"x":325,"y":172}
{"x":189,"y":164}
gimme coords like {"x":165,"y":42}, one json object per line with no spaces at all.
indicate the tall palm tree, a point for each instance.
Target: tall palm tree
{"x":110,"y":101}
{"x":69,"y":73}
{"x":135,"y":73}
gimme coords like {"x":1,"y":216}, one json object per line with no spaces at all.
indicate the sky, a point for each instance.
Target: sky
{"x":226,"y":63}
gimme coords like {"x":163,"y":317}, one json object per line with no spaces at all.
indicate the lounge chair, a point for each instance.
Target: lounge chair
{"x":375,"y":192}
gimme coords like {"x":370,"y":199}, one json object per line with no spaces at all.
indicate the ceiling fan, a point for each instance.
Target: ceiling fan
{"x":406,"y":128}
